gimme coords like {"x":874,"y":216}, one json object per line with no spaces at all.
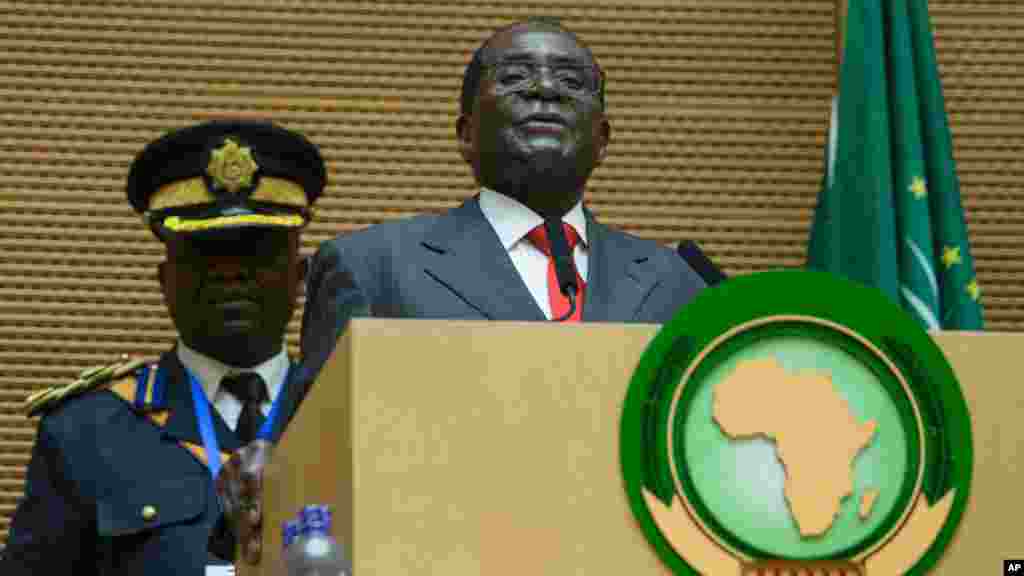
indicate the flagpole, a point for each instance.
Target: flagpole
{"x":833,"y":131}
{"x":842,"y":6}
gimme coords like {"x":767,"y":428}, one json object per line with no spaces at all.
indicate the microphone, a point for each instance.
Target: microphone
{"x":692,"y":255}
{"x":564,"y":270}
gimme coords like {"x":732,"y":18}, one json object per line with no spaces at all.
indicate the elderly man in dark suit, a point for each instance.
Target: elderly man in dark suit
{"x":533,"y":128}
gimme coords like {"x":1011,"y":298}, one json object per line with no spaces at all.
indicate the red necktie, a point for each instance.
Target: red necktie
{"x":559,"y":303}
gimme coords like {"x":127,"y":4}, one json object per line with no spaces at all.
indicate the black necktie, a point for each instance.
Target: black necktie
{"x":251,"y":391}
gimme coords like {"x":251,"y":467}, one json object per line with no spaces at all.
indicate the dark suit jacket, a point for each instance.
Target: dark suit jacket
{"x":453,"y":266}
{"x":98,"y":460}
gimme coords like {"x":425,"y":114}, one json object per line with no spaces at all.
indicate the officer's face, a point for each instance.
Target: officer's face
{"x":538,"y":128}
{"x":232,"y":297}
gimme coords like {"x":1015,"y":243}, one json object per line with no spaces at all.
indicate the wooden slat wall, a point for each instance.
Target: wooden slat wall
{"x":719,"y":110}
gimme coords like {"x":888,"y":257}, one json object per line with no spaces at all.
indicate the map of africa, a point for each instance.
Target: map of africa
{"x":816,"y":436}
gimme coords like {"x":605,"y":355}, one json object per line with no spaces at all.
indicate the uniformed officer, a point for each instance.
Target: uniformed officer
{"x":121,"y":479}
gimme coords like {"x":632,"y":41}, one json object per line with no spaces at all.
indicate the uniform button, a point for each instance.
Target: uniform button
{"x":148,"y":513}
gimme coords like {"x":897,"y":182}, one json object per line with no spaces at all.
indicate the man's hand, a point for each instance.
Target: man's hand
{"x":240,"y":486}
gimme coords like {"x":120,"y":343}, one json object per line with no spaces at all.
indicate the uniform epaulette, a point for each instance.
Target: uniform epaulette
{"x":87,"y":380}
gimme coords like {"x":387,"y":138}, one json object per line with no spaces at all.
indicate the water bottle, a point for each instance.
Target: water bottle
{"x":313,"y":551}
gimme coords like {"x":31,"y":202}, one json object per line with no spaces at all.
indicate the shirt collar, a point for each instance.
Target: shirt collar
{"x":211,"y":371}
{"x":512,"y":220}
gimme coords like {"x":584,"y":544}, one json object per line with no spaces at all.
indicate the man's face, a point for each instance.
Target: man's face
{"x":538,"y":127}
{"x":232,"y":296}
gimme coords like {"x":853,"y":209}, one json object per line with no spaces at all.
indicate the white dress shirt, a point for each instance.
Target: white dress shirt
{"x":512,"y":221}
{"x":210,"y":372}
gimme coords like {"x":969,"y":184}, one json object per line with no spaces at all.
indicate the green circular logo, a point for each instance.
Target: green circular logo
{"x":795,"y":420}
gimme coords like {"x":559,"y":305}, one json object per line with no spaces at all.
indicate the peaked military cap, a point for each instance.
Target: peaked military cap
{"x":226,"y":174}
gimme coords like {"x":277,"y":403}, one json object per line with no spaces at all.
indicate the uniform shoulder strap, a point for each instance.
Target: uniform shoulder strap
{"x":100,"y":377}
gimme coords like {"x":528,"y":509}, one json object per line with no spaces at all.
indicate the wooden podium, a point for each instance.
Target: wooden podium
{"x":473,"y":448}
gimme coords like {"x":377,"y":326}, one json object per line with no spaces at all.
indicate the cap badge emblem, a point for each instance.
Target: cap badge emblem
{"x":231,"y":166}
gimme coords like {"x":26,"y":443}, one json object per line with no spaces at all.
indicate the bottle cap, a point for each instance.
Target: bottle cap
{"x":315,"y":517}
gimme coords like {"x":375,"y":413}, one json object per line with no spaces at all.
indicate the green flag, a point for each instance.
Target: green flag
{"x":889,"y":212}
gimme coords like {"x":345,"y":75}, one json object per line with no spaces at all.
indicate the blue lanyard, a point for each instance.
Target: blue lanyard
{"x":205,"y":421}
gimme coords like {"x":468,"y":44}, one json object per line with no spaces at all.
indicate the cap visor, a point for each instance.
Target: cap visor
{"x":176,"y":225}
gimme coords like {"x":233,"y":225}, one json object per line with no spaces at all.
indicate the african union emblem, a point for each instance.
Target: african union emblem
{"x":795,"y":423}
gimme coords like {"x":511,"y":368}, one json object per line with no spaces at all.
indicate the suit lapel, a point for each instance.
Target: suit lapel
{"x":463,"y":253}
{"x":620,"y":275}
{"x":291,"y":393}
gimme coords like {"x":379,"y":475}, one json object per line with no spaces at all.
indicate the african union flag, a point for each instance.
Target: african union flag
{"x":889,"y":214}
